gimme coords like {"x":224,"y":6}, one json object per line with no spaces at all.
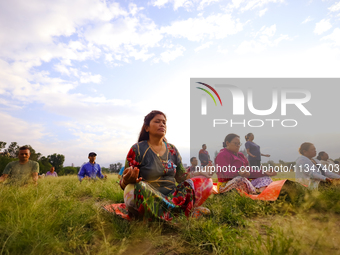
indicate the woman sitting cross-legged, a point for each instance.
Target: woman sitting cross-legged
{"x":152,"y":168}
{"x":311,"y":172}
{"x":233,"y":169}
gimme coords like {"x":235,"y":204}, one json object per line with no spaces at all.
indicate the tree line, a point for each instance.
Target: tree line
{"x":10,"y":154}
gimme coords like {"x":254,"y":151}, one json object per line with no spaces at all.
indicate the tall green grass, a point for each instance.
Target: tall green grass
{"x":63,"y":216}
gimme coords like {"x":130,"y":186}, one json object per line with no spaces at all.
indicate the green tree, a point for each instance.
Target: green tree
{"x":13,"y":150}
{"x":57,"y":160}
{"x":114,"y":168}
{"x":44,"y":165}
{"x":2,"y":145}
{"x":105,"y":170}
{"x":69,"y":170}
{"x":34,"y":155}
{"x":4,"y":161}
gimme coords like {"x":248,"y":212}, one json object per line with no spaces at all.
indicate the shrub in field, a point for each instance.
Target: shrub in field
{"x":4,"y":160}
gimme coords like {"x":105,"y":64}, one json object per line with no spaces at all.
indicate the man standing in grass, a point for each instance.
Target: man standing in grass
{"x":52,"y":172}
{"x":91,"y":169}
{"x":19,"y":172}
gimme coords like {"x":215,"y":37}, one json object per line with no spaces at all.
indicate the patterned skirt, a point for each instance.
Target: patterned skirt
{"x":143,"y":200}
{"x":244,"y":184}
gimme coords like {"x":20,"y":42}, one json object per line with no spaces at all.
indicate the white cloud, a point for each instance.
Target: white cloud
{"x":19,"y":130}
{"x":307,"y":20}
{"x":108,"y":57}
{"x":269,"y":31}
{"x":262,"y":12}
{"x":182,"y":3}
{"x":125,"y":35}
{"x":334,"y":37}
{"x":160,"y":3}
{"x":203,"y":46}
{"x":62,"y":69}
{"x":264,"y":38}
{"x":322,"y":26}
{"x":170,"y":55}
{"x":29,"y":23}
{"x":213,"y":27}
{"x":221,"y":50}
{"x":100,"y":28}
{"x":205,"y":3}
{"x":250,"y":47}
{"x":335,"y":7}
{"x":246,"y":5}
{"x":176,"y":3}
{"x":88,"y":77}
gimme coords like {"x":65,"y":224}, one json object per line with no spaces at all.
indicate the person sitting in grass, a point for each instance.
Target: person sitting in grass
{"x":326,"y":161}
{"x":52,"y":172}
{"x":311,"y":172}
{"x":233,"y":171}
{"x":152,"y":168}
{"x":194,"y":163}
{"x":90,"y":170}
{"x":20,"y":172}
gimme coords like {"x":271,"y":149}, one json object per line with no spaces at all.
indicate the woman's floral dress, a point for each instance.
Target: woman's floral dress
{"x":157,"y":195}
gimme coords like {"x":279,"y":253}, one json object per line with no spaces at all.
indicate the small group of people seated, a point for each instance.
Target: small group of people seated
{"x":25,"y":171}
{"x":239,"y":174}
{"x":156,"y":185}
{"x":311,"y":172}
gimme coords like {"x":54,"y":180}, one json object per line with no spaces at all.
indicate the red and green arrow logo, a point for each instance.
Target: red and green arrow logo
{"x":212,"y":89}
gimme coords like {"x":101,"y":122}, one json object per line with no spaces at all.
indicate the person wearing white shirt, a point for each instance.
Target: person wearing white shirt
{"x":326,"y":161}
{"x":309,"y":171}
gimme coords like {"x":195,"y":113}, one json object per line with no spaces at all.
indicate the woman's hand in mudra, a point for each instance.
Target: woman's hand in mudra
{"x":130,"y":175}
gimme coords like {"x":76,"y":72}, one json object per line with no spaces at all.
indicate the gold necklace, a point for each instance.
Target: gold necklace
{"x":157,"y":153}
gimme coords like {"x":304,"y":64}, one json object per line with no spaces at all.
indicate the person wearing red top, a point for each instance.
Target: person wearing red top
{"x":233,"y":169}
{"x":204,"y":156}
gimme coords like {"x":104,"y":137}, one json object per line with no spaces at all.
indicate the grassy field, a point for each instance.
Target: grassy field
{"x":62,"y":216}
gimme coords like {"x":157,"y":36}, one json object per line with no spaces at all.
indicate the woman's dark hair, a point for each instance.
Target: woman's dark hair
{"x":143,"y":135}
{"x":229,"y":138}
{"x":304,"y":147}
{"x":248,"y":135}
{"x":320,"y":155}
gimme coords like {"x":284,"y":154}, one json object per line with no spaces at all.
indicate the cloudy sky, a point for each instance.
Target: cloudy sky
{"x":79,"y":76}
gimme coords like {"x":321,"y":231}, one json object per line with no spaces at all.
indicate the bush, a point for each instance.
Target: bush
{"x":4,"y":160}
